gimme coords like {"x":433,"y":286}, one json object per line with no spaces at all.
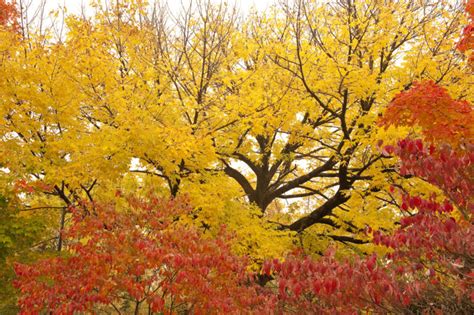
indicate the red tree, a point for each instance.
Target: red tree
{"x":8,"y":14}
{"x":467,"y":41}
{"x":442,"y":119}
{"x":138,"y":257}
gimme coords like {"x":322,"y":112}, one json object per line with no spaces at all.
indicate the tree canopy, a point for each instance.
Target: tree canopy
{"x":203,"y":160}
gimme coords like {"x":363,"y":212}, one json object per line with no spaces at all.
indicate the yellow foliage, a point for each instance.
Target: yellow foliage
{"x":239,"y":116}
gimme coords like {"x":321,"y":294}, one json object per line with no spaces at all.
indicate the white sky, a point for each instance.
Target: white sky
{"x":74,"y":6}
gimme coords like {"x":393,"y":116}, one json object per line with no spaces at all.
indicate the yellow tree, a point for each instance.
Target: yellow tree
{"x":128,"y":98}
{"x":240,"y":115}
{"x":323,"y":74}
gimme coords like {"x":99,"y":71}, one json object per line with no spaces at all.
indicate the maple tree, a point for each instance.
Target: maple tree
{"x":8,"y":14}
{"x":441,"y":118}
{"x":466,"y":44}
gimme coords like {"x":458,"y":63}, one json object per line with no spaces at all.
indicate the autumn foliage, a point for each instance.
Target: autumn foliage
{"x":315,"y":158}
{"x":429,"y":266}
{"x":466,"y":44}
{"x":8,"y":14}
{"x":429,"y":106}
{"x":142,"y":254}
{"x":139,"y":255}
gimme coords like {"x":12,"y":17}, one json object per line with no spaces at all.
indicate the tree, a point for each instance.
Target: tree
{"x":269,"y":125}
{"x":466,"y":44}
{"x":141,"y":257}
{"x":218,"y":109}
{"x":8,"y":14}
{"x":430,"y":265}
{"x":136,"y":258}
{"x":311,"y":147}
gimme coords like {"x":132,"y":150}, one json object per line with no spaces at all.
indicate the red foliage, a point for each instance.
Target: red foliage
{"x":467,"y":41}
{"x":138,"y":255}
{"x":442,"y":119}
{"x":433,"y":247}
{"x":434,"y":237}
{"x":8,"y":14}
{"x":451,"y":171}
{"x":430,"y":267}
{"x":328,"y":286}
{"x":31,"y":186}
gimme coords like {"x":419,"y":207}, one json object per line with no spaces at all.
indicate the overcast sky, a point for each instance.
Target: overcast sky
{"x":74,"y":6}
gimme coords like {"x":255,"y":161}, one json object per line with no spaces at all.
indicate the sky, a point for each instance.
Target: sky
{"x":74,"y":6}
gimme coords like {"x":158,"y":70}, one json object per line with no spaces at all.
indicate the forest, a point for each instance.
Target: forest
{"x":316,"y":157}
